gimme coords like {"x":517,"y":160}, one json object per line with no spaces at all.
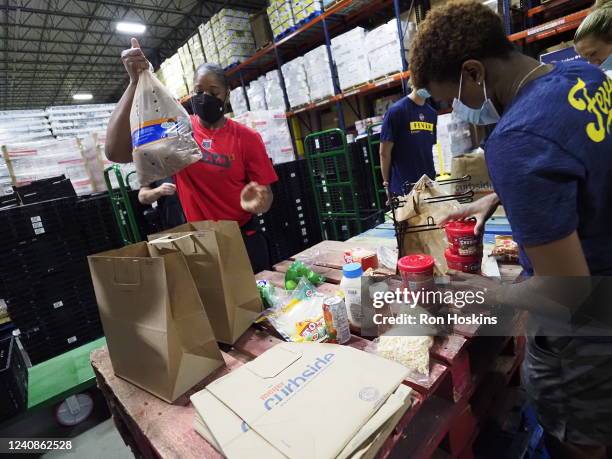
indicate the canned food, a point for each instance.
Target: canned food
{"x":461,"y":238}
{"x":336,"y":320}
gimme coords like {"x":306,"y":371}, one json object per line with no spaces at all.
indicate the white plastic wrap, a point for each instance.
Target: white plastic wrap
{"x":161,"y":132}
{"x":274,"y":131}
{"x":256,"y":92}
{"x":238,"y":101}
{"x":274,"y":91}
{"x":350,"y":55}
{"x":454,"y":139}
{"x":318,"y":74}
{"x":49,"y":158}
{"x":296,"y":82}
{"x":383,"y":50}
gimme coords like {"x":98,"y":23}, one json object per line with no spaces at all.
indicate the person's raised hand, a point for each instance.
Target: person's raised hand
{"x":481,"y":210}
{"x":253,"y":198}
{"x":134,"y":61}
{"x":166,"y":189}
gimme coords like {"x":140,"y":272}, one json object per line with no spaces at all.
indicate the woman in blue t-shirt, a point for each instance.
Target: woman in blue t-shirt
{"x":550,"y":162}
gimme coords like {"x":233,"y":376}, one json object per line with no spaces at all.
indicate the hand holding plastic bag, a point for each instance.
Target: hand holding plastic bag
{"x":161,"y":132}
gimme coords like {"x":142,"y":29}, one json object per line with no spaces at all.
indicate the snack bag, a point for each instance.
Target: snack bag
{"x":410,"y":351}
{"x":300,"y":317}
{"x":161,"y":132}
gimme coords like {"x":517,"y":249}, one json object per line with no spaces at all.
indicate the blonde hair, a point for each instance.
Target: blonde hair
{"x":598,"y":23}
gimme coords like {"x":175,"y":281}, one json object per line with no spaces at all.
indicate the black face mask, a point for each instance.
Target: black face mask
{"x":208,"y":108}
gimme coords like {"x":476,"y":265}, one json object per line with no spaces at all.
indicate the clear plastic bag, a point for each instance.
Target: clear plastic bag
{"x":410,"y":351}
{"x":161,"y":132}
{"x":297,"y":315}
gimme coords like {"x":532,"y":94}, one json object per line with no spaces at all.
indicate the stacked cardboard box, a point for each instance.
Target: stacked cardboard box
{"x":318,"y":73}
{"x":383,"y":49}
{"x":92,"y":148}
{"x":351,"y":58}
{"x":238,"y":102}
{"x":281,"y":16}
{"x":274,"y":130}
{"x":197,"y":51}
{"x":23,"y":125}
{"x":69,"y":121}
{"x":274,"y":91}
{"x":296,"y":82}
{"x":304,"y":9}
{"x":187,"y":66}
{"x":256,"y":92}
{"x":173,"y":76}
{"x":30,"y":161}
{"x":233,"y":36}
{"x":208,"y":43}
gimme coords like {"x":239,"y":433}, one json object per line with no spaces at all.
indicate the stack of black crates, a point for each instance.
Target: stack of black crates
{"x":343,"y":181}
{"x":292,"y":224}
{"x":43,"y":262}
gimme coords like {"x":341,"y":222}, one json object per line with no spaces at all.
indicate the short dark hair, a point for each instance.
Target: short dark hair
{"x":215,"y":69}
{"x":450,"y":35}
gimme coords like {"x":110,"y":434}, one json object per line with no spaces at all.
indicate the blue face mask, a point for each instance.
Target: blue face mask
{"x":423,"y":93}
{"x":606,"y":65}
{"x":487,"y":114}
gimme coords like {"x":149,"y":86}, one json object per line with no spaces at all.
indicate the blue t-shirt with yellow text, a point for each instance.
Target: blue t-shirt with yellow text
{"x":412,"y":129}
{"x":550,"y":162}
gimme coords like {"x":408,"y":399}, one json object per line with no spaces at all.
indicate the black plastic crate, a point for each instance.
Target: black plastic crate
{"x":13,"y":378}
{"x":40,"y":257}
{"x":324,"y":144}
{"x":45,"y":189}
{"x":45,"y":350}
{"x":341,"y":229}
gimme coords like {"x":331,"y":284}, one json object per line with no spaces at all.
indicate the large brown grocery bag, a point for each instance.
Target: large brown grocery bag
{"x":221,"y":269}
{"x":415,"y":212}
{"x":157,"y":331}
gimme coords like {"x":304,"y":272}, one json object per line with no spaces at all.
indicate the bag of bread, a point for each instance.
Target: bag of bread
{"x":161,"y":132}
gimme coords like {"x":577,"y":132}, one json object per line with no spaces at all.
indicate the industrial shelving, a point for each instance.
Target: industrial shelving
{"x":344,"y":14}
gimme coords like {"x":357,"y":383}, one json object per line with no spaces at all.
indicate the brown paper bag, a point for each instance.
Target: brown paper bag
{"x":221,"y":269}
{"x":416,"y":211}
{"x":157,"y":331}
{"x":474,"y":165}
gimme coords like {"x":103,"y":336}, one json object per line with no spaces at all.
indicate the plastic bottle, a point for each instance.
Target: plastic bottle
{"x":351,"y":286}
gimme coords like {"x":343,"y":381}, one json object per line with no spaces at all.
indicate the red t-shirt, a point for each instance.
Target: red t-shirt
{"x":232,"y":157}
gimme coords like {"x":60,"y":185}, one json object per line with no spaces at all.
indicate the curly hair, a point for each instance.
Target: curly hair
{"x":450,"y":35}
{"x":597,"y":24}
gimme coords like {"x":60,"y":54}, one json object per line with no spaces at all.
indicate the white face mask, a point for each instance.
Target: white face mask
{"x":606,"y":65}
{"x":487,"y":114}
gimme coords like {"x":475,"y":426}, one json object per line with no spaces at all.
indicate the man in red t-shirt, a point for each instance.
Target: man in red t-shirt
{"x":232,"y":180}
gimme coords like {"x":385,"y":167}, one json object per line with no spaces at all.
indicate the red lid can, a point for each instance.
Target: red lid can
{"x":467,"y":264}
{"x":460,"y":229}
{"x":416,"y":263}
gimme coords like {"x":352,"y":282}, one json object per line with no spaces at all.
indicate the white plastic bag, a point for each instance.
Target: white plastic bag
{"x":410,"y":351}
{"x":161,"y":132}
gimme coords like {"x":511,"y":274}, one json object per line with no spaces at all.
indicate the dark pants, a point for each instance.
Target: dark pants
{"x":257,"y":247}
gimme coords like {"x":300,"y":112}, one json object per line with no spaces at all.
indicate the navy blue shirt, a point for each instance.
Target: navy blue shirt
{"x":412,"y":129}
{"x":550,"y":161}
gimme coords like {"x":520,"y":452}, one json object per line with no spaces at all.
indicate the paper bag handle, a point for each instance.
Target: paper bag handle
{"x":124,"y":281}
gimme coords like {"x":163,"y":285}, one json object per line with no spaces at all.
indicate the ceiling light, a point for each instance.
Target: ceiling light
{"x":82,"y":96}
{"x":131,"y":27}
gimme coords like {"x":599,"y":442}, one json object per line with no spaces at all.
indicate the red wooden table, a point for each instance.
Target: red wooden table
{"x":441,"y":407}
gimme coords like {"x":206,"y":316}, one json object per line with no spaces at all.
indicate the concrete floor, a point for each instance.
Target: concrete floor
{"x":100,"y":442}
